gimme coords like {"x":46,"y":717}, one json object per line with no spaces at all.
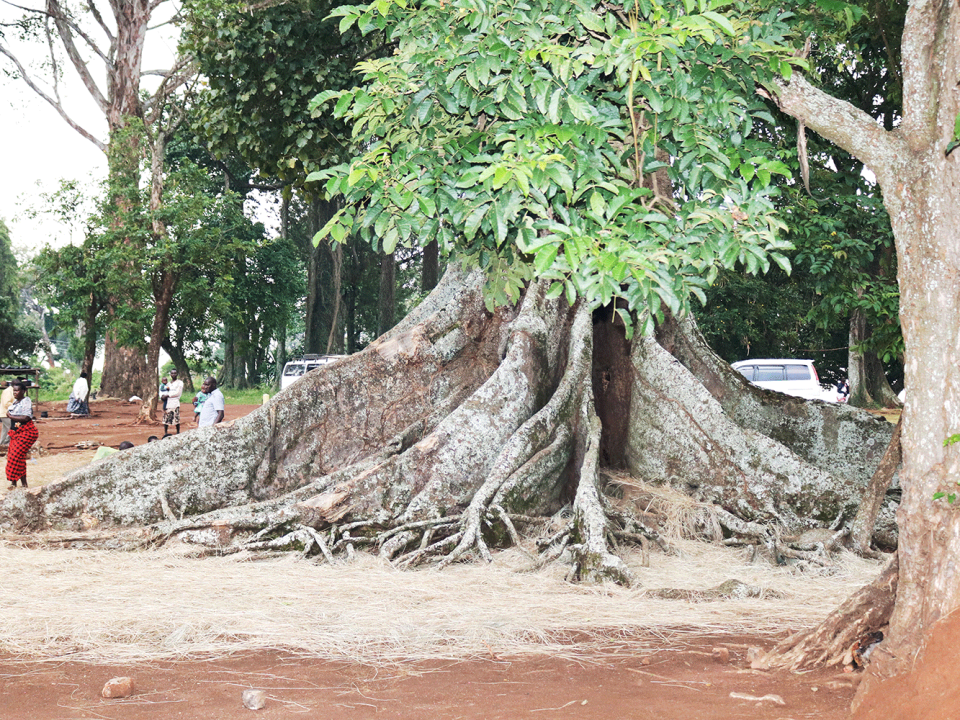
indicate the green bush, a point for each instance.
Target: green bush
{"x":56,"y":383}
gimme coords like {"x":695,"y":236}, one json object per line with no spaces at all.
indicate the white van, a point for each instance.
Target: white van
{"x":296,"y":369}
{"x":791,"y":377}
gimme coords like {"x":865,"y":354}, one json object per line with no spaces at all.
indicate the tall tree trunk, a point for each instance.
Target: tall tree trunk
{"x":90,"y":328}
{"x":388,"y":293}
{"x":335,"y":338}
{"x":869,"y":387}
{"x":228,"y":376}
{"x":175,"y":351}
{"x":921,"y":191}
{"x":430,"y":271}
{"x":123,"y":369}
{"x":856,"y":362}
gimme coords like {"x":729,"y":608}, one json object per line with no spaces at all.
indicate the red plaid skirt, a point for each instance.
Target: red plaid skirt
{"x":21,"y":439}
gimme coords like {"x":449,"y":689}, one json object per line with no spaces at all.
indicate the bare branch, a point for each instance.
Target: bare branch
{"x":65,"y":28}
{"x":95,"y":11}
{"x":54,"y":103}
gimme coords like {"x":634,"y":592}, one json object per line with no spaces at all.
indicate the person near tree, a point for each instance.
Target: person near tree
{"x":23,"y":434}
{"x":197,"y":406}
{"x":6,"y":400}
{"x":77,"y":404}
{"x":212,"y":411}
{"x":171,"y":405}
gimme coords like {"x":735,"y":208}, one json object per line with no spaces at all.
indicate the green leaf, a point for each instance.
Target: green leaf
{"x":721,"y":20}
{"x":472,"y":224}
{"x":545,"y":257}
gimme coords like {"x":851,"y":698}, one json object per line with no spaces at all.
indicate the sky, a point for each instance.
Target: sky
{"x":39,"y":148}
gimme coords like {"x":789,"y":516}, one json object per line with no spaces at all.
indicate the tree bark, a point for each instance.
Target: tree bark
{"x":869,"y":387}
{"x":862,"y":527}
{"x":921,"y":190}
{"x":388,"y":293}
{"x":446,"y":434}
{"x":430,"y":271}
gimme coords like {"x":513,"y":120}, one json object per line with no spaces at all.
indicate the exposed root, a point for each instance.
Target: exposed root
{"x":593,"y":562}
{"x":867,"y":611}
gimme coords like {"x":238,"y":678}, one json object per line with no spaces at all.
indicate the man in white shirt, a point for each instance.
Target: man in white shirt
{"x":171,"y":404}
{"x":211,"y":412}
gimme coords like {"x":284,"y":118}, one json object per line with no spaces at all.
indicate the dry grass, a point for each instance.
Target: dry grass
{"x":102,"y":606}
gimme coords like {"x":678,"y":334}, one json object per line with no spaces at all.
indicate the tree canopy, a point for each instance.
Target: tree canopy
{"x":17,"y":338}
{"x":595,"y":146}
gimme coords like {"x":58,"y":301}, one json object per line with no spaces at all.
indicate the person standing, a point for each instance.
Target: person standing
{"x":6,"y":400}
{"x":198,"y":406}
{"x":23,"y":434}
{"x":212,"y":411}
{"x":171,"y":405}
{"x":77,"y":404}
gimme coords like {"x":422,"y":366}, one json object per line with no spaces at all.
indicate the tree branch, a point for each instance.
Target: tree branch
{"x":841,"y":123}
{"x":65,"y":29}
{"x":54,"y":103}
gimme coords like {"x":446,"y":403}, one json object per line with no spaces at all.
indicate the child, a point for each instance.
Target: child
{"x":197,"y":404}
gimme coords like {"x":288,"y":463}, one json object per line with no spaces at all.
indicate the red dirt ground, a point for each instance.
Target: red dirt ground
{"x":110,"y":422}
{"x":681,"y":680}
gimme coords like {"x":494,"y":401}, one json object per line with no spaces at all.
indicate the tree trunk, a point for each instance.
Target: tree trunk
{"x":921,"y":191}
{"x":459,"y":426}
{"x":388,"y":293}
{"x":90,"y":338}
{"x":175,"y":351}
{"x":862,"y":527}
{"x":430,"y":271}
{"x":123,"y":369}
{"x":869,"y":387}
{"x":335,"y":338}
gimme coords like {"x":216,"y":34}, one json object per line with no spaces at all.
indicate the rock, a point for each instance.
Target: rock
{"x":118,"y":687}
{"x":763,"y":698}
{"x":254,"y":699}
{"x":721,"y":655}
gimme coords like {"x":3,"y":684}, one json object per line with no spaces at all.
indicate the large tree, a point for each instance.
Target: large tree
{"x":592,"y":167}
{"x":86,"y":37}
{"x":919,"y":172}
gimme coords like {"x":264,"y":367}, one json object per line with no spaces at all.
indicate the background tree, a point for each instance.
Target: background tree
{"x":83,"y":37}
{"x":18,"y":339}
{"x":918,"y":171}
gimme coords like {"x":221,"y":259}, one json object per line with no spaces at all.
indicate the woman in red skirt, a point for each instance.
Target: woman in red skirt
{"x":23,"y":434}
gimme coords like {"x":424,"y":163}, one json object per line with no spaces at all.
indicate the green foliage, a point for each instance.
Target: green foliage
{"x":262,"y":69}
{"x":527,"y":138}
{"x":955,"y":140}
{"x":18,"y":338}
{"x":56,"y":383}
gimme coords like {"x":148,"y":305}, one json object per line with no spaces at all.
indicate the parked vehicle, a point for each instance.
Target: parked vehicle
{"x":791,"y":377}
{"x":296,"y":369}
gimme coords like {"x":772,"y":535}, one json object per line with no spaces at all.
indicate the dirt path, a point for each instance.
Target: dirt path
{"x":678,"y":680}
{"x":110,"y":422}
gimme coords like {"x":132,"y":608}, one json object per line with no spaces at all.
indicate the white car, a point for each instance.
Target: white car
{"x":791,"y":377}
{"x":296,"y":369}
